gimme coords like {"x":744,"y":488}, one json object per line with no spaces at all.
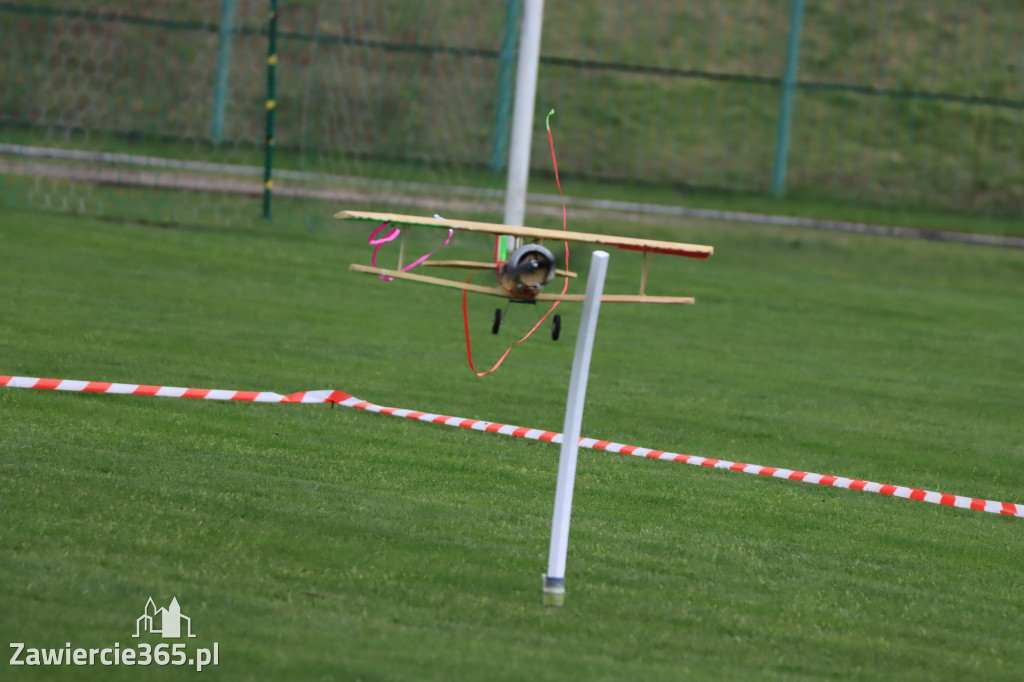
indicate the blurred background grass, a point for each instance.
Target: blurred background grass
{"x":901,"y":111}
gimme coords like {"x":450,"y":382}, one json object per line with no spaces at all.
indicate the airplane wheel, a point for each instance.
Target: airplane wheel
{"x":556,"y":327}
{"x":497,"y":321}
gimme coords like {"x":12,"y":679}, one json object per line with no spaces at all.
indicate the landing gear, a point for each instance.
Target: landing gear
{"x":556,"y":324}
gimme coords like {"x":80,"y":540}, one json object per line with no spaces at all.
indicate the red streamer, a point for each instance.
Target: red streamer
{"x":565,"y":286}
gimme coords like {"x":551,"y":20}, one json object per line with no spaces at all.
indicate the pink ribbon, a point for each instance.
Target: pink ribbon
{"x":390,"y":237}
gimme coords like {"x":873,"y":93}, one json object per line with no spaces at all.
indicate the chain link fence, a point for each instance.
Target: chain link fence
{"x":106,"y":106}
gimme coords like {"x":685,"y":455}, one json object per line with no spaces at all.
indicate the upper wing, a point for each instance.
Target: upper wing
{"x":649,"y":245}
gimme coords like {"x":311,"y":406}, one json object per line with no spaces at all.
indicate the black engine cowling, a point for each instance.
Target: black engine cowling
{"x":528,"y":269}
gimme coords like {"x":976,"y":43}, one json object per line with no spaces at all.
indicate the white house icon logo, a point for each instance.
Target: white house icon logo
{"x":169,"y":621}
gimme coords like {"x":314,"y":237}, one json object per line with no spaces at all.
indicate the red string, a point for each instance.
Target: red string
{"x":565,"y":286}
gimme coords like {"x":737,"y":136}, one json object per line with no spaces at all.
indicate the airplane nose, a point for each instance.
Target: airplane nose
{"x":529,"y":268}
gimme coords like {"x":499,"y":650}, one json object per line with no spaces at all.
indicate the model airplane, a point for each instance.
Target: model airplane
{"x":526,"y":271}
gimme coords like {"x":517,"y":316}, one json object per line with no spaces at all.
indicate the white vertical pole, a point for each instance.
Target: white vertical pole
{"x":554,"y":580}
{"x":522,"y":113}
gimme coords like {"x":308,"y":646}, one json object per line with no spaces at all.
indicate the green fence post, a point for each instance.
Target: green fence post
{"x":786,"y":110}
{"x":268,"y":183}
{"x":220,"y":90}
{"x":506,"y":60}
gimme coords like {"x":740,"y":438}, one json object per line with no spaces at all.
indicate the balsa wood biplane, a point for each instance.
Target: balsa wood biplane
{"x":525,"y":272}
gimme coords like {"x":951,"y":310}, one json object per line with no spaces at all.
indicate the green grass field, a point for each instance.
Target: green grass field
{"x":330,"y":544}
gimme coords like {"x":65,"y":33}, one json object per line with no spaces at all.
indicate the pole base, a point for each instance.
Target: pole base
{"x":554,"y":592}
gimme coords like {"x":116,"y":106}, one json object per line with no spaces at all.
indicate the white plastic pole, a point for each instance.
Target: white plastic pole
{"x":522,"y":113}
{"x":554,"y":580}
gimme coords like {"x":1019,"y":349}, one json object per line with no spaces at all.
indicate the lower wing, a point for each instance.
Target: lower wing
{"x":501,"y":293}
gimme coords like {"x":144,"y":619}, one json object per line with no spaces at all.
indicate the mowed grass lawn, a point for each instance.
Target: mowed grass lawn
{"x":313,"y":543}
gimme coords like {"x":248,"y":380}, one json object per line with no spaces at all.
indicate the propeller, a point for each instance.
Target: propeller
{"x":532,"y":264}
{"x":528,"y":269}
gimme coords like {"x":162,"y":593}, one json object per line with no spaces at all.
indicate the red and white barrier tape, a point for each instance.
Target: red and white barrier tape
{"x":341,"y":398}
{"x":173,"y":392}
